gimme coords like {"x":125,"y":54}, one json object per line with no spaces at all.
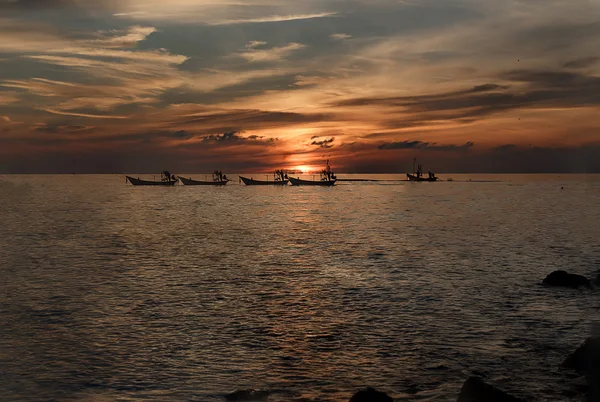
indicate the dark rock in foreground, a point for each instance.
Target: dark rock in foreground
{"x":476,"y":390}
{"x":586,"y":359}
{"x":371,"y":395}
{"x":248,"y":395}
{"x":567,"y":280}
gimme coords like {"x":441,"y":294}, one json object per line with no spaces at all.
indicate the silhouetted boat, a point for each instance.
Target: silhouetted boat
{"x":219,"y":179}
{"x":417,"y":174}
{"x":166,"y":180}
{"x":190,"y":182}
{"x":327,"y":178}
{"x":414,"y":177}
{"x":280,"y":179}
{"x":300,"y":182}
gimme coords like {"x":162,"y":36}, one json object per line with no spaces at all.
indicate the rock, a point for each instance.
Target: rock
{"x":439,"y":367}
{"x":412,"y":389}
{"x":586,"y":359}
{"x":248,"y":395}
{"x":597,"y":281}
{"x":476,"y":390}
{"x":565,"y":279}
{"x":371,"y":395}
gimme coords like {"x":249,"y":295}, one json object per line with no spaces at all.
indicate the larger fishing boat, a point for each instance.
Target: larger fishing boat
{"x":166,"y":179}
{"x":418,"y":175}
{"x":327,"y":178}
{"x":279,"y":179}
{"x":414,"y":177}
{"x":218,"y":179}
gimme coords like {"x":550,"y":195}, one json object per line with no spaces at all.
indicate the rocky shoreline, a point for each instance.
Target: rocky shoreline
{"x":584,"y":362}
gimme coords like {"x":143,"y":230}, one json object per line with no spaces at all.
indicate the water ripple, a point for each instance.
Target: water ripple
{"x":110,"y":292}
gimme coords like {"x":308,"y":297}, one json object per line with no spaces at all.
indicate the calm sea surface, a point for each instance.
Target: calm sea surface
{"x":113,"y":292}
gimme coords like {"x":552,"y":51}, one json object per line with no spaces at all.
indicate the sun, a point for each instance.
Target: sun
{"x":302,"y":168}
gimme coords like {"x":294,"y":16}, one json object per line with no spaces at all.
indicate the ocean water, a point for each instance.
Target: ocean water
{"x":113,"y":292}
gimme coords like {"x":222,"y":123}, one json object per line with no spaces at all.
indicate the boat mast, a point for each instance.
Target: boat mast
{"x":414,"y":162}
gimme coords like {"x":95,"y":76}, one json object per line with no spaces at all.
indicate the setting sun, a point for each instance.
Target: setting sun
{"x":303,"y":168}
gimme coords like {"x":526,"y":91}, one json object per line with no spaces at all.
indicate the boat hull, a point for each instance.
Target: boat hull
{"x":300,"y":182}
{"x":190,"y":182}
{"x":412,"y":177}
{"x":139,"y":182}
{"x":252,"y":182}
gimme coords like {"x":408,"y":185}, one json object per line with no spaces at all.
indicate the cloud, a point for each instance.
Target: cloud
{"x":272,"y":18}
{"x":583,"y":62}
{"x":252,"y":54}
{"x":233,"y":137}
{"x":340,"y":36}
{"x":21,"y":37}
{"x":93,"y":57}
{"x":324,"y":143}
{"x":511,"y":158}
{"x":34,"y":4}
{"x":64,"y":97}
{"x":132,"y":37}
{"x":178,"y":135}
{"x":426,"y":145}
{"x":240,"y":119}
{"x":449,"y":74}
{"x":528,"y":89}
{"x":484,"y":88}
{"x":103,"y":69}
{"x":60,"y":128}
{"x":7,"y":97}
{"x":255,"y":43}
{"x":222,"y":13}
{"x":88,"y":115}
{"x":417,"y":99}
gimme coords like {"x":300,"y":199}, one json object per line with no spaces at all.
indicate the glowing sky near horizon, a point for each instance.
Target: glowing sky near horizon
{"x":255,"y":85}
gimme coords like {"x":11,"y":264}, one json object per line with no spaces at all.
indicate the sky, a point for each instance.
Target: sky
{"x":107,"y":86}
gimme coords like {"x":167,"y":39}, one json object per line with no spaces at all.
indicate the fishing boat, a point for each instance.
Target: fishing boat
{"x":413,"y":177}
{"x":328,"y":178}
{"x":219,"y":179}
{"x":166,"y":179}
{"x":279,"y":179}
{"x":418,"y":175}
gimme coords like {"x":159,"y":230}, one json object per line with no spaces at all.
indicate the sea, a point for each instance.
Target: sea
{"x":110,"y":292}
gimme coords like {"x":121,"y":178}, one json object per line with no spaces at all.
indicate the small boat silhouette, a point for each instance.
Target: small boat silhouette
{"x":280,"y":179}
{"x":166,"y":179}
{"x":328,"y":178}
{"x":219,"y":179}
